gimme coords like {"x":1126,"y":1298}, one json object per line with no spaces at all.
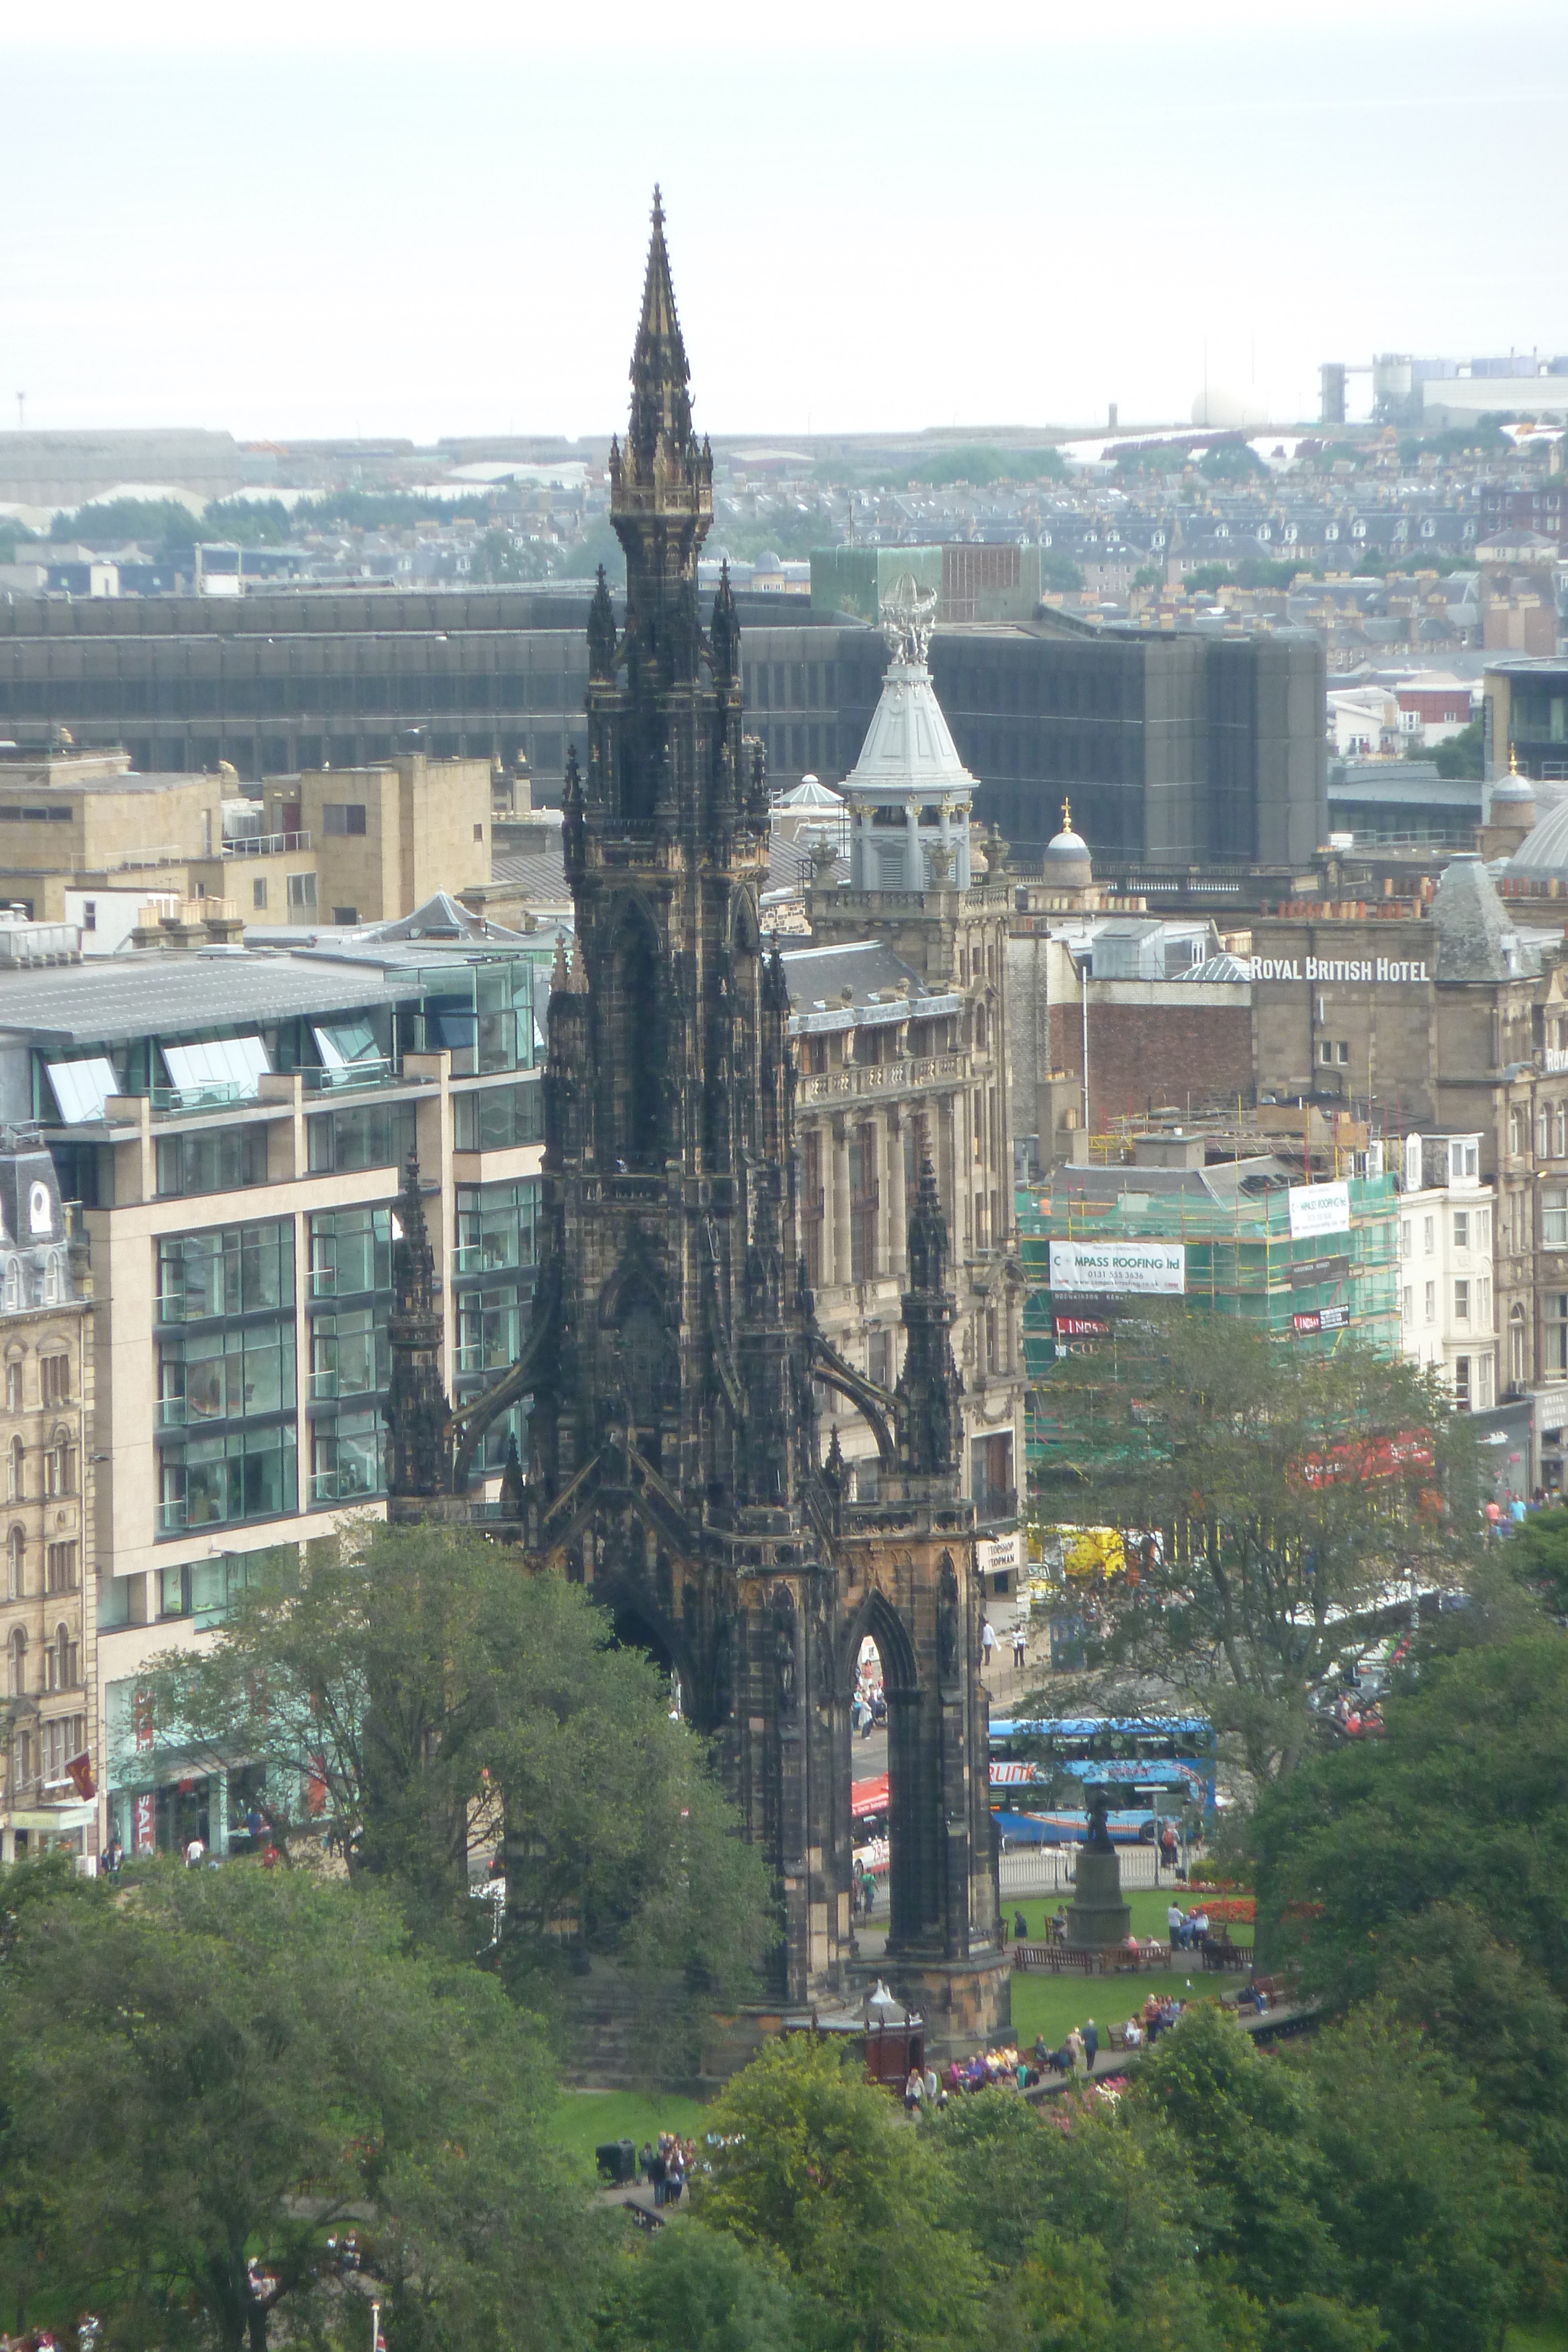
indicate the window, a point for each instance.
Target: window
{"x":1431,"y":1302}
{"x":1486,"y":1370}
{"x":1461,"y":1229}
{"x":22,"y":1762}
{"x":1561,"y":1123}
{"x":1557,"y":1334}
{"x":15,"y":1565}
{"x":1483,"y":1228}
{"x":16,"y":1664}
{"x":1486,"y":1302}
{"x":60,"y":1742}
{"x":57,"y":1466}
{"x":1518,"y":1360}
{"x":341,"y":817}
{"x":16,"y":1472}
{"x":13,"y":1388}
{"x":1409,"y":1306}
{"x":232,"y":1270}
{"x":372,"y":1135}
{"x":350,"y":1252}
{"x":1517,"y":1130}
{"x":1429,"y":1234}
{"x":54,"y":1379}
{"x":89,"y":915}
{"x":60,"y":1568}
{"x":1555,"y":1216}
{"x":259,"y":892}
{"x":1543,"y":1132}
{"x":1461,"y":1302}
{"x":1462,"y":1383}
{"x":479,"y":832}
{"x":345,"y":917}
{"x":219,"y":1159}
{"x":302,"y":894}
{"x":498,"y":1118}
{"x":60,"y":1661}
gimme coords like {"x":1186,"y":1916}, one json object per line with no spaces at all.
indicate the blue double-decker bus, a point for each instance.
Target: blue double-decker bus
{"x":1156,"y":1766}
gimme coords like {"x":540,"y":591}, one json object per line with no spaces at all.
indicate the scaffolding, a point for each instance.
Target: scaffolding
{"x":1242,"y":1260}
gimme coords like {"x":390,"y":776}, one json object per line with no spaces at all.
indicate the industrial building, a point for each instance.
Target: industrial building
{"x":1176,"y":749}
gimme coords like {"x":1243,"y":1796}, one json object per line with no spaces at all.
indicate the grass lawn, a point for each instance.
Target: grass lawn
{"x":1050,"y":2005}
{"x":585,"y":2119}
{"x":1537,"y":2336}
{"x":1147,"y":1905}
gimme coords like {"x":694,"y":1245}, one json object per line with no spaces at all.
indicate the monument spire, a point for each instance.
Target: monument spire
{"x":661,"y":400}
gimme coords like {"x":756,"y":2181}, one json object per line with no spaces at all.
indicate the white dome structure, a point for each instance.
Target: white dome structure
{"x":910,"y":796}
{"x":1066,"y":863}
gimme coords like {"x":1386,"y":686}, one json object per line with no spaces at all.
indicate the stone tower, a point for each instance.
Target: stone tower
{"x":673,"y":1443}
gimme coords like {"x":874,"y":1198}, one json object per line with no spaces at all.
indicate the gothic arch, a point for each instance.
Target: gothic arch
{"x":877,"y":1616}
{"x":630,"y":1605}
{"x":745,"y":930}
{"x":632,"y":1010}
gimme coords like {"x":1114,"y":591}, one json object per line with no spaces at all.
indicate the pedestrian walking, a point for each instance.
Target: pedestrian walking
{"x":1018,"y":1645}
{"x":1072,"y":2049}
{"x":989,"y":1641}
{"x":914,"y":2092}
{"x":1091,"y":2046}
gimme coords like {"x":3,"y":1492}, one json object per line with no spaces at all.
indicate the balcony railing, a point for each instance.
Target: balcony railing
{"x":266,"y":845}
{"x":860,"y":1080}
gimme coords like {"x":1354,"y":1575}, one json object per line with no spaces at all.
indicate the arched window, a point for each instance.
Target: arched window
{"x":60,"y":1661}
{"x":12,"y":1284}
{"x":16,"y":1664}
{"x":15,"y":1565}
{"x":52,"y":1278}
{"x":16,"y":1471}
{"x":58,"y":1464}
{"x":13,"y":1388}
{"x":1516,"y":1371}
{"x":633,"y":1012}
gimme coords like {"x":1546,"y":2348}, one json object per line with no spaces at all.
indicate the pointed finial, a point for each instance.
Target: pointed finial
{"x":658,"y":207}
{"x":1066,"y":815}
{"x":1514,"y":759}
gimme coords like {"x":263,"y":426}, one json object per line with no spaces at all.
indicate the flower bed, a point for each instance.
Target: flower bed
{"x":1232,"y":1911}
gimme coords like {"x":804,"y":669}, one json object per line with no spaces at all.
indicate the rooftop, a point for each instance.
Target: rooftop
{"x":118,"y":998}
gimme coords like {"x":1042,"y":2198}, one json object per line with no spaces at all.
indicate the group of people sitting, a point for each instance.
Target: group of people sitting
{"x":667,"y":2165}
{"x":1187,"y":1930}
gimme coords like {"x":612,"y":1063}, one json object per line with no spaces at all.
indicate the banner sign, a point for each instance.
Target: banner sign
{"x":1081,"y":1327}
{"x":999,"y":1555}
{"x":1308,"y":1272}
{"x":1327,"y":1319}
{"x":1118,"y":1269}
{"x":1319,"y":1209}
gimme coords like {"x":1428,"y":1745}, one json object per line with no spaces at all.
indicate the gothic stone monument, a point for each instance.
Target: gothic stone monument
{"x":673,"y":1461}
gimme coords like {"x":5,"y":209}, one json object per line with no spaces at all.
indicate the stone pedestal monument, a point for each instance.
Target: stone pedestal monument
{"x":1097,"y":1917}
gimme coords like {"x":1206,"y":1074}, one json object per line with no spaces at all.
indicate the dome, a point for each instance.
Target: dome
{"x":1067,"y":863}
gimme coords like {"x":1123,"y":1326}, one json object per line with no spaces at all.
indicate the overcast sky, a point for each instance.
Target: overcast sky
{"x":346,"y":217}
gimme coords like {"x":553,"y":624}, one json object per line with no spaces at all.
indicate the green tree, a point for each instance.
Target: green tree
{"x":1057,"y":570}
{"x":110,"y":522}
{"x":1231,"y":461}
{"x":819,"y":2168}
{"x":434,"y":1700}
{"x":696,"y":2290}
{"x":1149,"y":576}
{"x":1463,"y":754}
{"x":506,"y":560}
{"x":205,"y":2074}
{"x":1302,"y":1498}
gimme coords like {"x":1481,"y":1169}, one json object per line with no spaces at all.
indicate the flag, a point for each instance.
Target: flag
{"x":80,"y":1771}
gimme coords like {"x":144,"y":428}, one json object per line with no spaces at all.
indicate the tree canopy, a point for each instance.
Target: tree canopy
{"x":207,"y":2076}
{"x":1298,"y":1501}
{"x":426,"y":1699}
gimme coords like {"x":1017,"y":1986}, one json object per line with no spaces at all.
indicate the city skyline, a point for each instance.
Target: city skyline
{"x":321,"y":239}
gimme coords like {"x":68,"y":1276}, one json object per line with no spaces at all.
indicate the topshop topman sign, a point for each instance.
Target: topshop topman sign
{"x":1116,"y":1269}
{"x":1378,"y":970}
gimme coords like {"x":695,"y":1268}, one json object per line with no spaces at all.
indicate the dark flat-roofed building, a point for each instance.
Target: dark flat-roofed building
{"x":1176,"y":749}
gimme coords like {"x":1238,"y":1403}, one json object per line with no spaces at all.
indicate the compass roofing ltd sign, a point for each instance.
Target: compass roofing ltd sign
{"x":1117,"y":1269}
